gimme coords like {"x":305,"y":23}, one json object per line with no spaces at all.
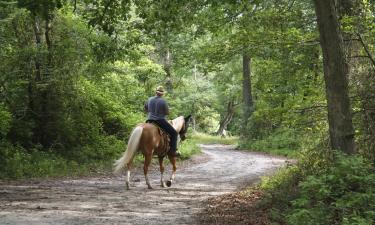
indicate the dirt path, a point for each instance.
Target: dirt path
{"x":104,"y":200}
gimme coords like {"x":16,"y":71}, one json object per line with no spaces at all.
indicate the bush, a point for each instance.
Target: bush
{"x":19,"y":163}
{"x":188,"y":148}
{"x":343,"y":194}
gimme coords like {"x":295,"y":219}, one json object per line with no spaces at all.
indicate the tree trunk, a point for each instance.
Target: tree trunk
{"x":49,"y":44}
{"x":227,"y":118}
{"x":336,"y":77}
{"x":167,"y":68}
{"x":246,"y":88}
{"x":40,"y":94}
{"x":38,"y":42}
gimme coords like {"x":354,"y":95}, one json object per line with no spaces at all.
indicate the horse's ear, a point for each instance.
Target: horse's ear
{"x":187,"y":118}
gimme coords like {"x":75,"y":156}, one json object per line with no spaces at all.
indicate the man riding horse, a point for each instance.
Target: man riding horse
{"x":157,"y":109}
{"x":147,"y":138}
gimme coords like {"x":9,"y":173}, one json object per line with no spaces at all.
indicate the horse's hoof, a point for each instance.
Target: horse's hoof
{"x":169,"y":183}
{"x":162,"y":185}
{"x":149,"y":187}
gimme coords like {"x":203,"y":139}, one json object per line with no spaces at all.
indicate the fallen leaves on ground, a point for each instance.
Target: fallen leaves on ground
{"x":235,"y":208}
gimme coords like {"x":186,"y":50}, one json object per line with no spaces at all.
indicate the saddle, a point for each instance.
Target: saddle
{"x":164,"y":146}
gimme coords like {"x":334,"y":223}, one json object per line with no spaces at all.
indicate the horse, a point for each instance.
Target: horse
{"x":148,"y":138}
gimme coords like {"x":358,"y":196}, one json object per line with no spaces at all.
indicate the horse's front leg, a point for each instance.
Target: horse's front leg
{"x":161,"y":171}
{"x":172,"y":159}
{"x":148,"y":158}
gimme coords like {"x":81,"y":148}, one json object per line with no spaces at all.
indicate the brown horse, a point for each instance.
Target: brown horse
{"x":147,"y":138}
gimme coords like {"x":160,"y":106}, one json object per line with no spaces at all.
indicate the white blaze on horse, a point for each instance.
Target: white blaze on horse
{"x":147,"y":138}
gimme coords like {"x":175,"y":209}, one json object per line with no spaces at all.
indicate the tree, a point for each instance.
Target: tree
{"x":336,"y":77}
{"x":246,"y":90}
{"x":228,"y":93}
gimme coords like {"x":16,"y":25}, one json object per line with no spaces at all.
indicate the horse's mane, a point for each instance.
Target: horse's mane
{"x":178,"y":123}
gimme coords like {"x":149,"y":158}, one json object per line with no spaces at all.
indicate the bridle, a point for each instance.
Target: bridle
{"x":183,"y":131}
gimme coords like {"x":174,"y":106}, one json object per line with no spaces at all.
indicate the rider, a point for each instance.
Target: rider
{"x":157,"y":109}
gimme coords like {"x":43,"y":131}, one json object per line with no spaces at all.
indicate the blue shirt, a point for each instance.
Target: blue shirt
{"x":157,"y":108}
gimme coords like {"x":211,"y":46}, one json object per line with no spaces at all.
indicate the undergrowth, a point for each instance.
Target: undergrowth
{"x":322,"y":189}
{"x":17,"y":162}
{"x":282,"y":142}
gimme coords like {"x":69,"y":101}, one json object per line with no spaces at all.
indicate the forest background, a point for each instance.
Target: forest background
{"x":74,"y":76}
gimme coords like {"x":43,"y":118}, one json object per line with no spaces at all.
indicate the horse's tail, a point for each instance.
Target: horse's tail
{"x":133,"y":144}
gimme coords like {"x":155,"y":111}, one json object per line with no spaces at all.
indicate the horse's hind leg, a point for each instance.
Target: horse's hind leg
{"x":161,"y":171}
{"x":173,"y":161}
{"x":148,"y":158}
{"x":127,"y":182}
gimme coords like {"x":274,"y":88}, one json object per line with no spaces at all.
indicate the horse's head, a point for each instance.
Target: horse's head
{"x":185,"y":127}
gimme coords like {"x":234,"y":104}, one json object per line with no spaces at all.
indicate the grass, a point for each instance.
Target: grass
{"x":190,"y":146}
{"x":201,"y":138}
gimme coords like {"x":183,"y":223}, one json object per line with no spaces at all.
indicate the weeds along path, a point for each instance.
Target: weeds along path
{"x":104,"y":200}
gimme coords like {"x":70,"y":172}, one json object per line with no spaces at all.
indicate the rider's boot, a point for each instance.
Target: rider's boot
{"x":175,"y":153}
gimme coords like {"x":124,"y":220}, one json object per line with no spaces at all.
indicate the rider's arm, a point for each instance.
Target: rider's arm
{"x":166,"y":108}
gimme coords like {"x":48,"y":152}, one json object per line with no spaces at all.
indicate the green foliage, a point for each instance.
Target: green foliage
{"x":18,"y":163}
{"x":57,"y":101}
{"x":282,"y":180}
{"x":279,"y":190}
{"x":105,"y":14}
{"x":197,"y":99}
{"x":283,"y":142}
{"x":5,"y":120}
{"x":321,"y":189}
{"x":342,"y":194}
{"x":314,"y":160}
{"x":188,"y":148}
{"x":41,"y":7}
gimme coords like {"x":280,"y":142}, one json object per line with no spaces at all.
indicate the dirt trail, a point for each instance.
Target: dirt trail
{"x":104,"y":200}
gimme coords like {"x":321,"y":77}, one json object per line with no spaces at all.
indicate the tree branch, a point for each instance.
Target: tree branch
{"x":366,"y":49}
{"x":75,"y":6}
{"x":359,"y":56}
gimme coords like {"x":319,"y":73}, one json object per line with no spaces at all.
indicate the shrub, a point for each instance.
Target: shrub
{"x":18,"y":163}
{"x":343,"y":194}
{"x":188,"y":148}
